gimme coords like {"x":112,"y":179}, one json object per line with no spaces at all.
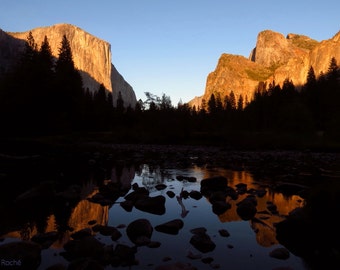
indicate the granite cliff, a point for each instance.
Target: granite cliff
{"x":274,"y":58}
{"x":91,"y":55}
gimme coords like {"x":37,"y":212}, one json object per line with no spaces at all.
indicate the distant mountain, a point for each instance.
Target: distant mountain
{"x":91,"y":55}
{"x":275,"y":58}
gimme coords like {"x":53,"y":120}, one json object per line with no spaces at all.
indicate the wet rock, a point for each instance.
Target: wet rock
{"x":190,"y":179}
{"x":220,"y":207}
{"x":137,"y":194}
{"x":202,"y":241}
{"x":261,"y":193}
{"x":20,"y":255}
{"x":171,"y":227}
{"x":92,"y":222}
{"x":246,"y":208}
{"x":160,"y":186}
{"x":170,"y":193}
{"x":279,"y":253}
{"x":127,"y":205}
{"x":195,"y":194}
{"x":241,"y":188}
{"x":86,"y":247}
{"x":217,"y":196}
{"x":180,"y":177}
{"x":154,"y":205}
{"x":116,"y":235}
{"x":184,"y":194}
{"x":232,"y":193}
{"x":272,"y":208}
{"x":224,"y":233}
{"x":213,"y":184}
{"x":140,"y":232}
{"x":106,"y":230}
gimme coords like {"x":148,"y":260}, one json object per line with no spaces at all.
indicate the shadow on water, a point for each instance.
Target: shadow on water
{"x":118,"y":214}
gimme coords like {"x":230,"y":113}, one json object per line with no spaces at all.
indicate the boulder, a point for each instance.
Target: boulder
{"x":154,"y":205}
{"x":140,"y":232}
{"x":246,"y":208}
{"x":170,"y":227}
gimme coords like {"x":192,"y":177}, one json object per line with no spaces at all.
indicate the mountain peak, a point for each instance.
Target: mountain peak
{"x":274,"y":56}
{"x":91,"y":56}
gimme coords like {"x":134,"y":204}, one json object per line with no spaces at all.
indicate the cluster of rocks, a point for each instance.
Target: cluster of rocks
{"x":84,"y":250}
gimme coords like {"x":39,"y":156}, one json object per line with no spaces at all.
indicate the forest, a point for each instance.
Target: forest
{"x":45,"y":96}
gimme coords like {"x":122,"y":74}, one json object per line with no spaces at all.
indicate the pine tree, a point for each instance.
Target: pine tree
{"x":212,"y":104}
{"x":70,"y":95}
{"x":65,"y":62}
{"x":232,"y":101}
{"x":45,"y":60}
{"x":120,"y":103}
{"x":240,"y":103}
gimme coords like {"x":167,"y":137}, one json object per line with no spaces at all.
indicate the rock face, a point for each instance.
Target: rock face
{"x":275,"y":58}
{"x":91,"y":56}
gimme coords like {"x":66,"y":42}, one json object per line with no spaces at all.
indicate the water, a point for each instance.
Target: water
{"x":247,"y":247}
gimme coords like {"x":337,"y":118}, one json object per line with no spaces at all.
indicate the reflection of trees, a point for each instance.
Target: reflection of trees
{"x":151,"y":176}
{"x":61,"y":217}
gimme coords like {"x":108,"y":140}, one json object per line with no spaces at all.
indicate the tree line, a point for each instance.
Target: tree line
{"x":44,"y":95}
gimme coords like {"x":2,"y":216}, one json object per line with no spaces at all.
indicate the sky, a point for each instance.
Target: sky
{"x":170,"y":47}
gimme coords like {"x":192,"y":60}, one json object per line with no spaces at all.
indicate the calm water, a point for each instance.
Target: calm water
{"x":247,"y":247}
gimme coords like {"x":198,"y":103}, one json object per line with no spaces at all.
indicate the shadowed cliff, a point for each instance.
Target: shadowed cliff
{"x":91,"y":55}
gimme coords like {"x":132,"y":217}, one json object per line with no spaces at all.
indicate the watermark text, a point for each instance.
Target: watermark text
{"x":10,"y":263}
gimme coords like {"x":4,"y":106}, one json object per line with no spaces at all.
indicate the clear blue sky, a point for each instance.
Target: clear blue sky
{"x":170,"y":47}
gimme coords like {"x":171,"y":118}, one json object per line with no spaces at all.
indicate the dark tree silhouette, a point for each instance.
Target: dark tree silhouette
{"x":120,"y":103}
{"x":212,"y":104}
{"x":70,"y":94}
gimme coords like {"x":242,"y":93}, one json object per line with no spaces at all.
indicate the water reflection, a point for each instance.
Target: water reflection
{"x":79,"y":207}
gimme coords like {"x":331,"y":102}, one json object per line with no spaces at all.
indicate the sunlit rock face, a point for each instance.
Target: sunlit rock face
{"x":233,"y":73}
{"x":275,"y":58}
{"x":91,"y":55}
{"x":264,"y":220}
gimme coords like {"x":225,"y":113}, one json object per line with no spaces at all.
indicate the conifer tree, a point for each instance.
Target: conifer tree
{"x":120,"y":103}
{"x":45,"y":59}
{"x":70,"y":93}
{"x":232,"y":101}
{"x":212,"y":104}
{"x":240,"y":103}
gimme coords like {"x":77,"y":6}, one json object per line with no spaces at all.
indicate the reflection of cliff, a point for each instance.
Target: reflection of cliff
{"x":86,"y":211}
{"x":263,"y":224}
{"x":81,"y":214}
